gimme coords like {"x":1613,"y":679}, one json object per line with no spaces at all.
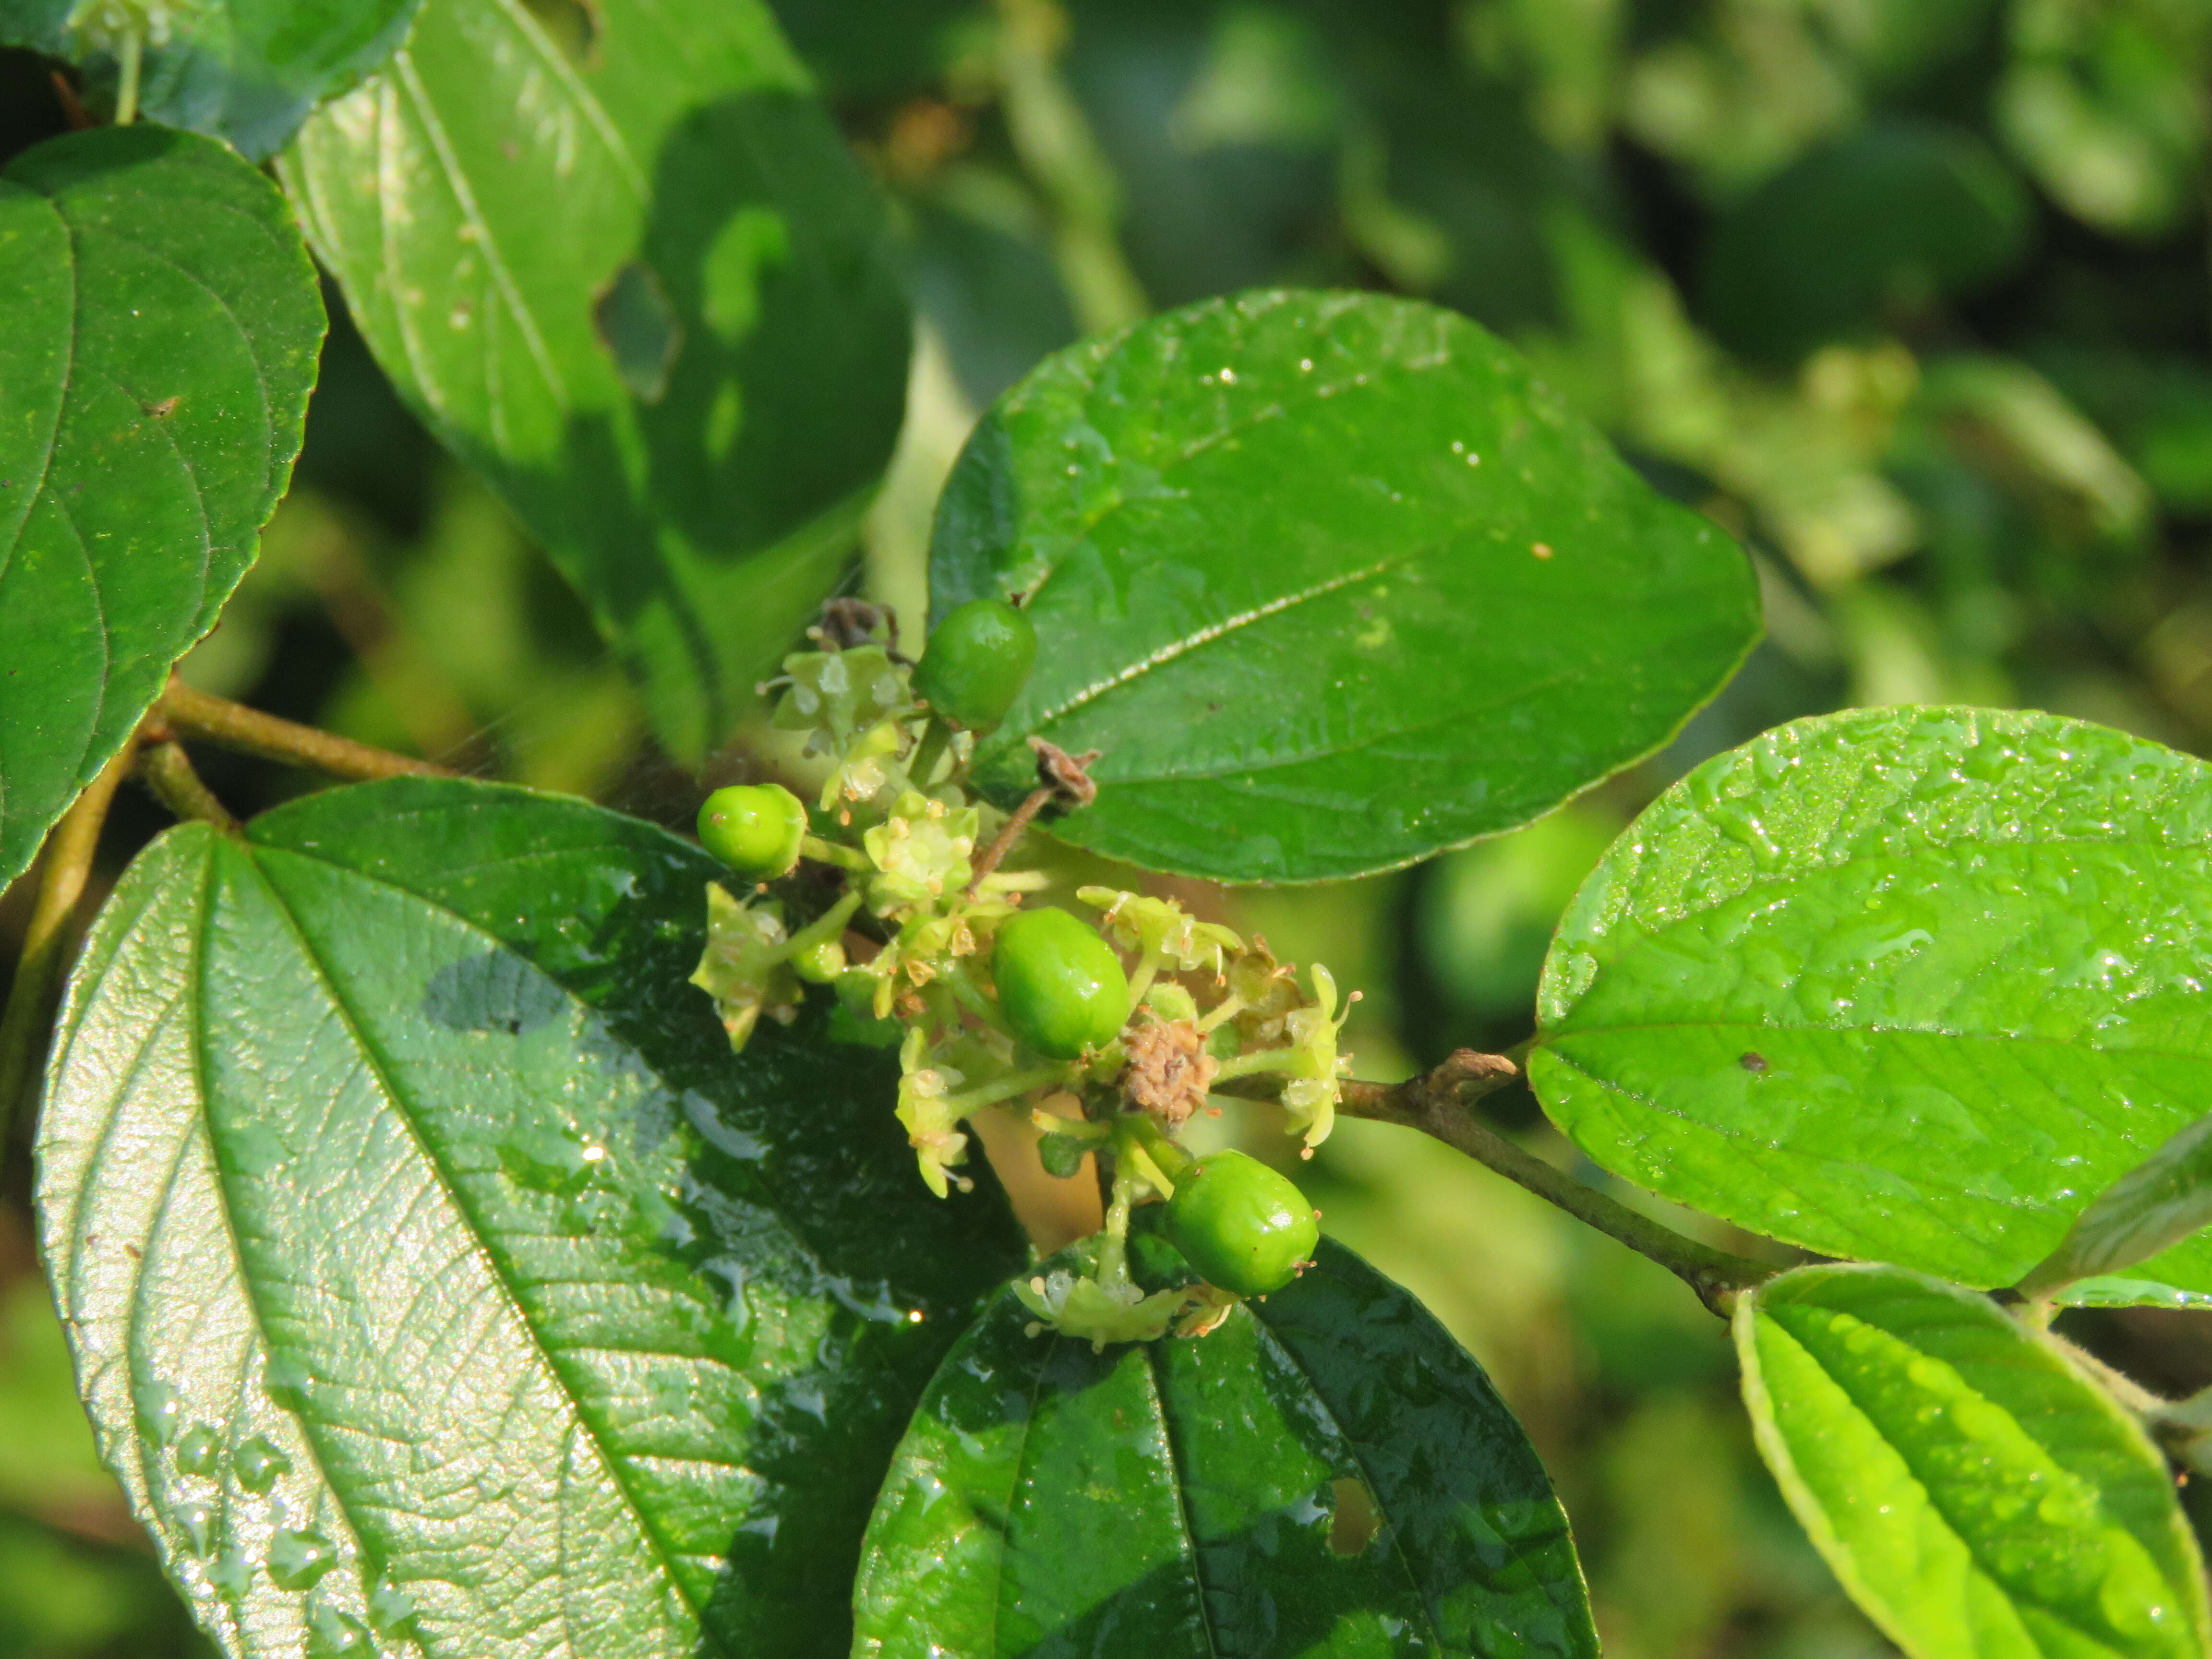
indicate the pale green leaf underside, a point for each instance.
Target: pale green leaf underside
{"x":2159,"y":1202}
{"x":644,"y":290}
{"x":162,"y":326}
{"x":1977,"y":1496}
{"x":1906,"y":985}
{"x":391,"y":1144}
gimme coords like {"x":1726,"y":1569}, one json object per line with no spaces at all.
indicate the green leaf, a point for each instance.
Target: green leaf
{"x":2159,"y":1202}
{"x":1332,"y":584}
{"x":656,"y":313}
{"x":1327,"y":1472}
{"x":1904,"y":984}
{"x":238,"y":70}
{"x":163,"y":326}
{"x":423,"y":1245}
{"x":1974,"y":1493}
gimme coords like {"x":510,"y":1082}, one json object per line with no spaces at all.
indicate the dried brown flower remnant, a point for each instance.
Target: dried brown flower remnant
{"x":1169,"y":1071}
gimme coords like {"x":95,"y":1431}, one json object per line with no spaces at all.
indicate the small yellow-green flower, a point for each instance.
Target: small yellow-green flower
{"x":866,"y":765}
{"x":925,"y":1108}
{"x":1265,"y":992}
{"x":923,"y":852}
{"x":1099,"y":1314}
{"x":1309,"y":1100}
{"x":743,"y":967}
{"x":1161,"y":929}
{"x":838,"y":694}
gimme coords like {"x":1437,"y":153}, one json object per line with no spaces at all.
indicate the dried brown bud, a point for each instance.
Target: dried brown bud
{"x":1064,"y":774}
{"x":1168,"y":1070}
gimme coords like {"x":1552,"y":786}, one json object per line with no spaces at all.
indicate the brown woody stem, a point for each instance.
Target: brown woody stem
{"x":1436,"y":1103}
{"x":1002,"y":843}
{"x":46,"y":940}
{"x":190,"y":714}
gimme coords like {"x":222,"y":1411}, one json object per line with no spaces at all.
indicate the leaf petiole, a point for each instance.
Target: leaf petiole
{"x":45,"y":940}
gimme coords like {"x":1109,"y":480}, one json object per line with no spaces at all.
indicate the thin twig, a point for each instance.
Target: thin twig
{"x":165,"y":768}
{"x":190,"y":714}
{"x":1436,"y":1103}
{"x":1003,"y":843}
{"x":1061,"y":777}
{"x":46,"y":940}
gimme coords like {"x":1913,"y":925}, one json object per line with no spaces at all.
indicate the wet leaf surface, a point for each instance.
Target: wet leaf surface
{"x":1905,"y":984}
{"x":433,"y":1267}
{"x":1331,"y":583}
{"x":1973,"y":1491}
{"x":1327,"y":1474}
{"x":2159,"y":1202}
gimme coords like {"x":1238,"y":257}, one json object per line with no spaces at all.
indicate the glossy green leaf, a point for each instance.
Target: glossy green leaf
{"x":161,"y":329}
{"x":433,"y":1267}
{"x":1328,"y":1472}
{"x":2159,"y":1202}
{"x":1975,"y":1493}
{"x":1904,"y":984}
{"x":1331,"y":583}
{"x":642,"y":288}
{"x":243,"y":70}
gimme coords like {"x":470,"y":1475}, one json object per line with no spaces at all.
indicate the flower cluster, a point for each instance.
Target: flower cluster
{"x":1133,"y":1020}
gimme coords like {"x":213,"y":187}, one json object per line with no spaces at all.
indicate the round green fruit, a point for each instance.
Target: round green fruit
{"x":1241,"y":1225}
{"x":1061,"y":985}
{"x":976,"y":663}
{"x":754,"y":828}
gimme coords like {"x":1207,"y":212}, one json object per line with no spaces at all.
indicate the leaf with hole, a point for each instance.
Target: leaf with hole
{"x":1328,"y":1472}
{"x":1903,"y":984}
{"x":162,"y":327}
{"x":1975,"y":1492}
{"x":244,"y":72}
{"x":431,"y":1262}
{"x":1331,"y":583}
{"x":657,"y":313}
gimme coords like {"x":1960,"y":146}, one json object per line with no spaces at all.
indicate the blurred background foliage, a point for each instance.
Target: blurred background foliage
{"x":1912,"y":296}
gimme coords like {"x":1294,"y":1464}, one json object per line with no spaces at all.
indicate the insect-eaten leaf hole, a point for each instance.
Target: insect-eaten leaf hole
{"x":1353,"y":1520}
{"x":638,"y":326}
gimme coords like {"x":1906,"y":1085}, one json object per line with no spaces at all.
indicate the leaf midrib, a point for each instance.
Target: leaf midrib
{"x":1366,"y":1475}
{"x":1942,"y":1511}
{"x":768,"y":1198}
{"x":196,"y":1031}
{"x":580,"y":1419}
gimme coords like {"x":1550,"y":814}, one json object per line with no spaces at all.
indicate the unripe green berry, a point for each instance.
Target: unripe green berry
{"x":1061,"y":985}
{"x":1241,"y":1225}
{"x":754,"y":828}
{"x":819,"y":963}
{"x":976,"y":663}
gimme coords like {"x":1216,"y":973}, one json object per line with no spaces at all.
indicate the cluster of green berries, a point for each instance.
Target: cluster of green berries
{"x":926,"y":943}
